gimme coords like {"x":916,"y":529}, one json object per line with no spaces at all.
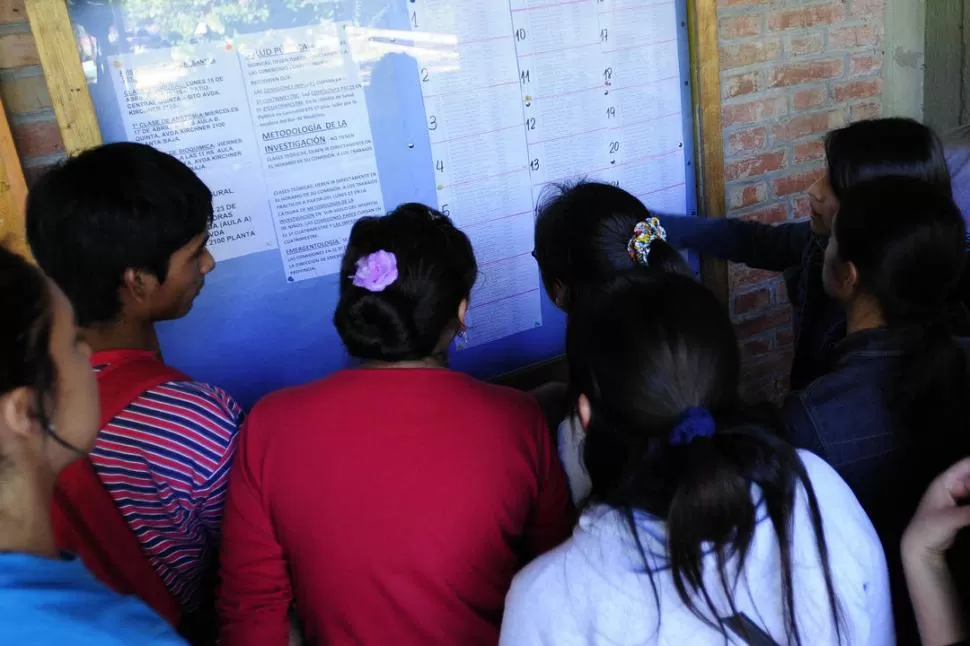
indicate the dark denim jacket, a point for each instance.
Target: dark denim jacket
{"x":818,"y":321}
{"x":847,"y":417}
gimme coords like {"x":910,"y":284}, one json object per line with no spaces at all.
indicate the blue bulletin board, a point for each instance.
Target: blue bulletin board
{"x":303,"y":116}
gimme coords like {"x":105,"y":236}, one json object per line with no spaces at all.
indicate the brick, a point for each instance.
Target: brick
{"x":34,"y":173}
{"x":774,"y":214}
{"x":864,"y":111}
{"x":864,"y":64}
{"x":809,"y":151}
{"x":25,"y":94}
{"x":745,"y":141}
{"x":741,"y":276}
{"x":741,"y":197}
{"x":755,"y":166}
{"x":799,"y":73}
{"x":801,"y":208}
{"x":805,"y":17}
{"x":12,"y":11}
{"x":806,"y":45}
{"x":17,"y":50}
{"x":741,"y":84}
{"x":759,"y":325}
{"x":785,"y":337}
{"x":744,"y":54}
{"x":796,"y":182}
{"x":843,"y":92}
{"x":866,"y":35}
{"x":809,"y":124}
{"x":812,"y":97}
{"x":753,"y":111}
{"x":36,"y":139}
{"x":743,"y":26}
{"x":752,"y":301}
{"x":756,"y":347}
{"x":868,"y":8}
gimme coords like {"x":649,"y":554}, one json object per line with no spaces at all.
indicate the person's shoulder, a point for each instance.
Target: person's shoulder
{"x":838,"y":504}
{"x":499,"y":405}
{"x":57,"y":602}
{"x":539,"y":591}
{"x":196,"y":404}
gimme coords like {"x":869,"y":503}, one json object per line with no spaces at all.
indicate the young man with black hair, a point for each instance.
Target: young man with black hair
{"x":122,"y":229}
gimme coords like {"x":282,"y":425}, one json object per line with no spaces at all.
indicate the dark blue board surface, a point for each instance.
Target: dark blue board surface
{"x":250,"y":331}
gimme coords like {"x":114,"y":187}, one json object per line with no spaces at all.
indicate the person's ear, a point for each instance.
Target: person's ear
{"x":559,"y":292}
{"x":584,"y":410}
{"x":851,"y":279}
{"x":16,"y":411}
{"x":462,"y":313}
{"x":137,"y":285}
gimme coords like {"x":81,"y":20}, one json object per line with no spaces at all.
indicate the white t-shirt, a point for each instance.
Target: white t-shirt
{"x":569,"y":443}
{"x":593,"y":589}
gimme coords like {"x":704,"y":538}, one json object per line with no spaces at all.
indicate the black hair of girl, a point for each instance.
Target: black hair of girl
{"x":25,"y":331}
{"x":906,"y":240}
{"x":409,"y":319}
{"x":885,"y":147}
{"x":643,"y":352}
{"x":581,"y":235}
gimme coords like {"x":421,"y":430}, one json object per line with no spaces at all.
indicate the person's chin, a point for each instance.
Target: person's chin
{"x":818,"y":227}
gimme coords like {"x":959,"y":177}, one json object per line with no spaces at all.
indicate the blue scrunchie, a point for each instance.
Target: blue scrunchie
{"x":695,"y":422}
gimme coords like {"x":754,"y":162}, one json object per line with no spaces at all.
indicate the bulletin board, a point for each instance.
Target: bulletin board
{"x":303,"y":116}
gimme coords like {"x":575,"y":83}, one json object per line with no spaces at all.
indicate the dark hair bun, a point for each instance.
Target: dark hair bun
{"x":408,"y":320}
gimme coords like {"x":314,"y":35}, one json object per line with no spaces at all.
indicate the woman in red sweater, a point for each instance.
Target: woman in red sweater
{"x":392,"y":503}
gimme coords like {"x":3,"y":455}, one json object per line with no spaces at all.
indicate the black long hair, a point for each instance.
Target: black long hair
{"x":436,"y":272}
{"x":25,"y":331}
{"x":877,"y":148}
{"x":581,"y":236}
{"x":644,"y":352}
{"x":907,"y":242}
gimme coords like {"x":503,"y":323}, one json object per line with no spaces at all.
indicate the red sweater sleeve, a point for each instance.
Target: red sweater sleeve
{"x":553,"y":514}
{"x":256,"y":592}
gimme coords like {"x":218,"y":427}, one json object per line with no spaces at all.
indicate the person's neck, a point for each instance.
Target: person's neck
{"x":864,"y":314}
{"x":25,"y":524}
{"x":432,"y":362}
{"x":122,"y":335}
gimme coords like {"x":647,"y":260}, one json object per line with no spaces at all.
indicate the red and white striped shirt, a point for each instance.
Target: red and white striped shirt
{"x":165,"y":461}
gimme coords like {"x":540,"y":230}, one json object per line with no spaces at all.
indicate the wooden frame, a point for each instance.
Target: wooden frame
{"x":51,"y":26}
{"x":13,"y":190}
{"x":57,"y":49}
{"x":705,"y":55}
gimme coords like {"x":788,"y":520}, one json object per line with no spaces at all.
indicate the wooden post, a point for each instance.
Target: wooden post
{"x":13,"y":191}
{"x":708,"y":135}
{"x":56,"y":46}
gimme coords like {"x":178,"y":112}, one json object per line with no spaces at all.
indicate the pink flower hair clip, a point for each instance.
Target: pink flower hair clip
{"x":376,"y":271}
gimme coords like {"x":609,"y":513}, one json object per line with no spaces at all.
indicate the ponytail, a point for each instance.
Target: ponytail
{"x":703,"y":490}
{"x":933,"y":387}
{"x":658,"y":362}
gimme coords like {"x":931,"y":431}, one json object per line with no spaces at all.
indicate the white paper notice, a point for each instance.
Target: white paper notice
{"x":534,"y":92}
{"x":474,"y":112}
{"x":191,"y":103}
{"x":315,"y":142}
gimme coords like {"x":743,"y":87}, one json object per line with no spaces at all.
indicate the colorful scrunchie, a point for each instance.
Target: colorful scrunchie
{"x":643,"y":236}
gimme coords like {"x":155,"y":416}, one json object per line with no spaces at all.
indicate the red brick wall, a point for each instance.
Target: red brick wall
{"x":24,"y":93}
{"x":791,"y":70}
